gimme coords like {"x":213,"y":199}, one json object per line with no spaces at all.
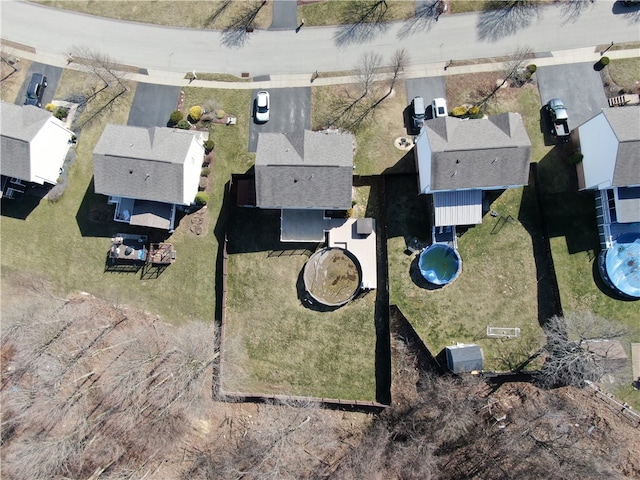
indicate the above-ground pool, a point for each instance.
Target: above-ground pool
{"x":332,"y":276}
{"x":440,"y":264}
{"x":620,"y":265}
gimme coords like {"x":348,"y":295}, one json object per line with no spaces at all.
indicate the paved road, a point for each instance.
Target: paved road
{"x":325,"y":49}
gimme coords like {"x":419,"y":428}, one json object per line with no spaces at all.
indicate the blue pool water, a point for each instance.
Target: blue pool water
{"x":620,"y":265}
{"x":440,"y":264}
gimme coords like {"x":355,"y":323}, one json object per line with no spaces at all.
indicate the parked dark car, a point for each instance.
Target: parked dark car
{"x":35,"y":90}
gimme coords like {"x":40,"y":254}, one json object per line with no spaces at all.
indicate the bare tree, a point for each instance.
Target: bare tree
{"x":106,"y":94}
{"x":353,"y":108}
{"x":514,"y":67}
{"x":570,"y":360}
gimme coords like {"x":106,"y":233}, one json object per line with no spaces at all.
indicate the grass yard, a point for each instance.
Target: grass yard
{"x":212,"y":14}
{"x":68,"y":246}
{"x":274,"y":344}
{"x":497,"y":286}
{"x":626,"y":73}
{"x":339,"y":12}
{"x":375,"y":152}
{"x":14,"y":79}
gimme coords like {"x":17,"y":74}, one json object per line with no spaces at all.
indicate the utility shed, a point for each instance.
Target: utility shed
{"x":464,"y":358}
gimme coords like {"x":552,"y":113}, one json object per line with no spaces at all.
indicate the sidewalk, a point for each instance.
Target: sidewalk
{"x":559,"y":57}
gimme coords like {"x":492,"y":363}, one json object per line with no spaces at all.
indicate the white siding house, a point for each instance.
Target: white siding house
{"x":34,"y":144}
{"x":148,"y":172}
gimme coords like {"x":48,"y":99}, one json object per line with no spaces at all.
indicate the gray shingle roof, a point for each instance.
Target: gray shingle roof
{"x":478,"y":153}
{"x":141,"y":163}
{"x":625,"y":123}
{"x":19,"y":124}
{"x":304,"y":170}
{"x":464,"y":358}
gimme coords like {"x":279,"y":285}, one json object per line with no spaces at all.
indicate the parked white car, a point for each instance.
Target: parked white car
{"x":262,"y":107}
{"x":439,"y":107}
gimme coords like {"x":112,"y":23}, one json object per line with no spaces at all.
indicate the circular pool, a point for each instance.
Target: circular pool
{"x":332,"y":276}
{"x":619,"y":265}
{"x":440,"y":264}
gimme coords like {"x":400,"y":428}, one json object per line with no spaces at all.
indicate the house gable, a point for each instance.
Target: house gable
{"x":34,"y":144}
{"x":304,"y":170}
{"x":155,"y":164}
{"x":610,"y":145}
{"x":473,"y":153}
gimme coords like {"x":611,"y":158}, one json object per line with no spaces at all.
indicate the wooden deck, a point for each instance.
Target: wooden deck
{"x":161,"y":254}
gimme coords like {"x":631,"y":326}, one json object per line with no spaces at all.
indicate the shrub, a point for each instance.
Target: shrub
{"x":208,"y":145}
{"x":220,"y":114}
{"x":604,"y":61}
{"x":201,"y":198}
{"x":475,"y":112}
{"x":175,"y":117}
{"x":575,"y":158}
{"x":195,"y":113}
{"x":205,"y":171}
{"x":532,"y":68}
{"x":459,"y":111}
{"x":50,"y":107}
{"x":61,"y":113}
{"x":183,"y":124}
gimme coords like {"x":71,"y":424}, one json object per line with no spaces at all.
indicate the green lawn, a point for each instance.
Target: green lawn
{"x":64,"y":242}
{"x":273,"y":343}
{"x":213,"y":14}
{"x":497,"y":286}
{"x":340,"y":12}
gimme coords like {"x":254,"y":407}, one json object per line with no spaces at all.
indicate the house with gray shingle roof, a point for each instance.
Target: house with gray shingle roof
{"x":304,"y":174}
{"x":458,"y":159}
{"x":610,"y":145}
{"x":34,"y":145}
{"x":147,"y":172}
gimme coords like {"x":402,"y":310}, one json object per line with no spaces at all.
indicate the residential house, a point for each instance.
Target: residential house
{"x":458,"y":159}
{"x":34,"y":145}
{"x":148,"y":173}
{"x":610,"y":166}
{"x":306,"y":175}
{"x":610,"y":145}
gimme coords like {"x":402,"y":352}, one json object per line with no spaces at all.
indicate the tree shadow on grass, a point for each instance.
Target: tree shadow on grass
{"x":363,"y":21}
{"x":505,"y":18}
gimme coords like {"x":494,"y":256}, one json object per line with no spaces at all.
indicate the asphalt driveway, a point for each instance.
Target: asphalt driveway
{"x":290,"y":112}
{"x":152,"y":105}
{"x":428,"y":89}
{"x":578,"y":85}
{"x":53,"y":76}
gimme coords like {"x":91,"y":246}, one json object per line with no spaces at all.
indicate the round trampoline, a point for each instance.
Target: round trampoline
{"x":619,"y":265}
{"x":332,"y":276}
{"x":440,"y":264}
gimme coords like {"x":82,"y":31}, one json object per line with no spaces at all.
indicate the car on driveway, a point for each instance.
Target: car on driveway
{"x":262,"y":107}
{"x":559,"y":117}
{"x":35,"y":90}
{"x":417,"y":105}
{"x":439,"y":107}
